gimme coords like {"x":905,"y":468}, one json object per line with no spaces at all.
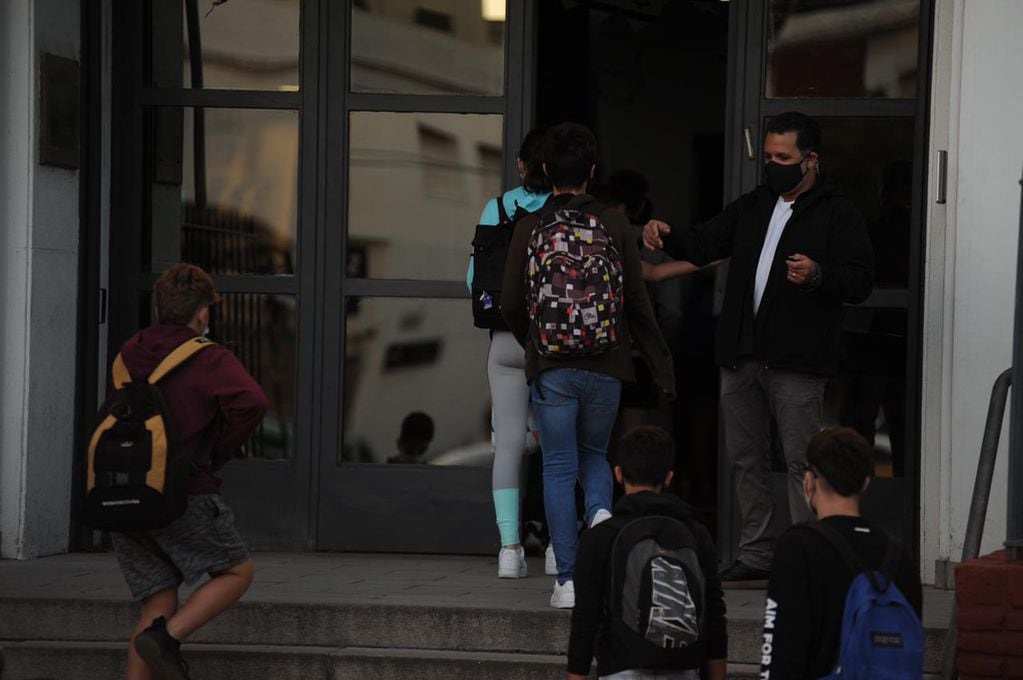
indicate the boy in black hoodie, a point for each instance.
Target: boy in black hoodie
{"x":644,"y":469}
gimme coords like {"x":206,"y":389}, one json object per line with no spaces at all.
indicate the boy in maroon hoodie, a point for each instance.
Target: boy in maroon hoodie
{"x":214,"y":406}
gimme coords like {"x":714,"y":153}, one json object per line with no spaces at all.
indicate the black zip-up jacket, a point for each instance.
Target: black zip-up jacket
{"x":592,"y":569}
{"x":798,"y":327}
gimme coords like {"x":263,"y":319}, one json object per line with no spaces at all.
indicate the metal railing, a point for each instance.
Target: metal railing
{"x":988,"y":457}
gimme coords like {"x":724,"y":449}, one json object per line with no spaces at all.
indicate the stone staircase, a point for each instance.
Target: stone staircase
{"x":497,"y":630}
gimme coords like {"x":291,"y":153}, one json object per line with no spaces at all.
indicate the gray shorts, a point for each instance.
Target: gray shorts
{"x":202,"y":541}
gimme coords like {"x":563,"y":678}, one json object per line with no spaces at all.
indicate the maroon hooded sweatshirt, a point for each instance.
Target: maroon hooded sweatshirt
{"x":214,"y":403}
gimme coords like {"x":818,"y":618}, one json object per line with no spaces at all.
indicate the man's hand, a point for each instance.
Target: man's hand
{"x":652,"y":232}
{"x":802,"y":269}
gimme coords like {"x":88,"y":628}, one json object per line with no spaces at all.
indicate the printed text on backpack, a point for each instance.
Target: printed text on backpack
{"x":573,"y":284}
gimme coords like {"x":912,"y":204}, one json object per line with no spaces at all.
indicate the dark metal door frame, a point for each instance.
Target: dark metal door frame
{"x":748,"y":106}
{"x":284,"y":521}
{"x":368,"y":507}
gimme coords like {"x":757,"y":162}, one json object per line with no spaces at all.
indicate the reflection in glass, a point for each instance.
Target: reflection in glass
{"x":247,"y":44}
{"x":413,"y":356}
{"x":872,"y":160}
{"x":417,"y":185}
{"x":225,"y":199}
{"x":436,"y":47}
{"x":260,"y":330}
{"x":843,"y":48}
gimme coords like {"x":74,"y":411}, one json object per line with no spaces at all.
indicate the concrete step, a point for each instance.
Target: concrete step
{"x":103,"y":661}
{"x":353,"y":625}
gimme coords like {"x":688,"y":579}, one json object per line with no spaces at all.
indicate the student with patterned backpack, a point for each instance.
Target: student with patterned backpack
{"x":574,"y":297}
{"x":180,"y":408}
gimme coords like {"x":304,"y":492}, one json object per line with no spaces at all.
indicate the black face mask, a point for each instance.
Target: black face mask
{"x":783,"y":178}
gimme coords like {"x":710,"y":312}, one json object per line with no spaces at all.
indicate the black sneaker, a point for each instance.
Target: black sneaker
{"x":161,"y":652}
{"x":740,"y":577}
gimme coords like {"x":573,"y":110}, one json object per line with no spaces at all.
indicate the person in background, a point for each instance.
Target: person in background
{"x":576,"y":397}
{"x":799,"y":253}
{"x":506,"y":366}
{"x":214,"y":407}
{"x":414,"y":439}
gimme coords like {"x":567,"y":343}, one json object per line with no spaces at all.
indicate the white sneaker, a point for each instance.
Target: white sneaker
{"x":550,"y":565}
{"x":511,"y":563}
{"x":563,"y":596}
{"x":601,"y":515}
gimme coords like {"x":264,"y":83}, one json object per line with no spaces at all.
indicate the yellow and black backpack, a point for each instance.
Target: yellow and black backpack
{"x":136,"y":477}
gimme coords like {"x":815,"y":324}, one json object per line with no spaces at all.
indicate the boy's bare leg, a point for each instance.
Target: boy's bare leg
{"x":222,"y":590}
{"x":163,"y":603}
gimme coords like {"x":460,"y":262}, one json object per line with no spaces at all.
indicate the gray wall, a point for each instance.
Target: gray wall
{"x":38,"y":296}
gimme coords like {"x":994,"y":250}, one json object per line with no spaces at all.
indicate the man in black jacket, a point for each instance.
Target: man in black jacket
{"x":644,"y":469}
{"x":799,"y":251}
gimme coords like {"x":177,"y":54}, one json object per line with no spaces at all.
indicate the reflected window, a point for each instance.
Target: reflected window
{"x":260,"y":330}
{"x":407,"y":356}
{"x":417,"y":185}
{"x":843,"y":48}
{"x":428,"y":47}
{"x":247,"y":44}
{"x":224,"y":190}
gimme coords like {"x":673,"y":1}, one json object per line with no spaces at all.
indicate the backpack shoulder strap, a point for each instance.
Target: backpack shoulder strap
{"x":180,"y":355}
{"x":120,"y":372}
{"x":851,"y":559}
{"x":838,"y":542}
{"x":502,"y":213}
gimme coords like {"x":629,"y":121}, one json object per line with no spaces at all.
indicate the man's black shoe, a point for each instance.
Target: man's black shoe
{"x":740,"y":577}
{"x":161,"y":652}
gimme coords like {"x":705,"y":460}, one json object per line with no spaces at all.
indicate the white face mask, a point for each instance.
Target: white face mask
{"x":206,"y":331}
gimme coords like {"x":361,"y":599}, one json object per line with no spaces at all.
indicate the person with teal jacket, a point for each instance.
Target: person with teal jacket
{"x":506,"y":369}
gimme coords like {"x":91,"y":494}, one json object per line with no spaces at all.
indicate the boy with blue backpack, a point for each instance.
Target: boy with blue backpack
{"x":844,"y":598}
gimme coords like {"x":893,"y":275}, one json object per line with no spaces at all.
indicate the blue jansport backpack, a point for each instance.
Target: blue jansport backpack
{"x":882,"y":637}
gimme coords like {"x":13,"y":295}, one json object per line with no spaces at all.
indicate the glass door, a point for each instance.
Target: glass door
{"x":424,"y":113}
{"x":212,"y":162}
{"x":860,"y":67}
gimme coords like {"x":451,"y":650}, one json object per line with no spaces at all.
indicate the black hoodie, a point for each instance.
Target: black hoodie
{"x":798,"y":327}
{"x":592,"y":568}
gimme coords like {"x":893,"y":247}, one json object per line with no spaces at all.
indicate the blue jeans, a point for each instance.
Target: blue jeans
{"x":575,"y":411}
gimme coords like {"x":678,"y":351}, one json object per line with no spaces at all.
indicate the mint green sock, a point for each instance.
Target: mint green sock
{"x":506,"y":507}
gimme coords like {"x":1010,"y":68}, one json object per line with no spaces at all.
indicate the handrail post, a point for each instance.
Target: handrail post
{"x":1014,"y":525}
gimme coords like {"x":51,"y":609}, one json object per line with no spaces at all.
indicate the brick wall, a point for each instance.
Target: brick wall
{"x":989,"y":597}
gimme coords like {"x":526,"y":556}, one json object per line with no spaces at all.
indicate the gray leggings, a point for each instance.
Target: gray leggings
{"x":506,"y":369}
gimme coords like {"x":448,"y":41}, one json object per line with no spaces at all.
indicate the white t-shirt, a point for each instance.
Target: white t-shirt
{"x":779,"y":218}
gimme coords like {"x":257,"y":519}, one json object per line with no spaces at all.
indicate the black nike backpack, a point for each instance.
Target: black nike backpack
{"x":656,"y":588}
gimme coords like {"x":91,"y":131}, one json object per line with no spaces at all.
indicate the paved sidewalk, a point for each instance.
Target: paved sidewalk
{"x":336,"y":578}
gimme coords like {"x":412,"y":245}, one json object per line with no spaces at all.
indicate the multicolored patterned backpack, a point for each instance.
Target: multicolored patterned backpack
{"x":573,"y":284}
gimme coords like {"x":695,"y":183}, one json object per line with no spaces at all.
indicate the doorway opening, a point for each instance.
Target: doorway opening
{"x":651,"y":84}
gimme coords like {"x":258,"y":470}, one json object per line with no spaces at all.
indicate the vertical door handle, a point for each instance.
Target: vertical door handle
{"x":942,"y":189}
{"x":749,"y":144}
